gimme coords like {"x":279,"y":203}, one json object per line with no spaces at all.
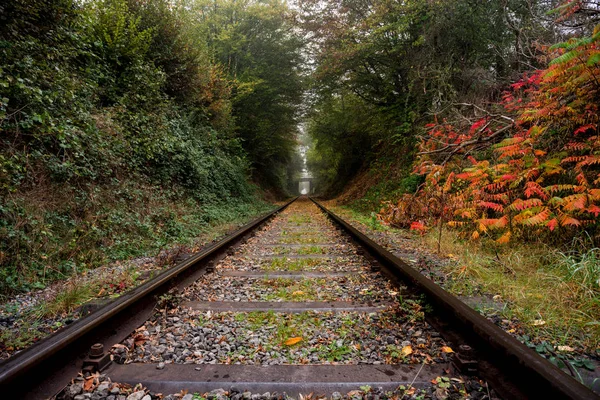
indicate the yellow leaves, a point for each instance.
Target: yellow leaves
{"x":293,"y":341}
{"x":297,"y":293}
{"x":475,"y":235}
{"x":539,"y":322}
{"x":504,"y":238}
{"x":447,"y":349}
{"x":407,"y":350}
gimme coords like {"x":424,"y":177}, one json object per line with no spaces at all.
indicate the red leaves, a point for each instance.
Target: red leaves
{"x":419,"y":227}
{"x":493,"y":206}
{"x":475,"y":127}
{"x":528,"y":183}
{"x":583,"y":129}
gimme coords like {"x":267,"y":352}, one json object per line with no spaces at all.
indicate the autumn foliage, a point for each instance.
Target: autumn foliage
{"x":528,"y":166}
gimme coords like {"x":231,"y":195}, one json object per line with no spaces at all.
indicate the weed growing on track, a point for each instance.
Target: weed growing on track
{"x":283,"y":264}
{"x":312,"y":250}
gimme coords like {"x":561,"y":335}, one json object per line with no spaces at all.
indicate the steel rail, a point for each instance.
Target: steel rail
{"x":56,"y":347}
{"x":532,"y":375}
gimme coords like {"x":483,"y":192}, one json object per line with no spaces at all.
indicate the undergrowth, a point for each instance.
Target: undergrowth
{"x":59,"y":234}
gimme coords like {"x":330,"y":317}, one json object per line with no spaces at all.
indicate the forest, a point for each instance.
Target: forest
{"x":130,"y":127}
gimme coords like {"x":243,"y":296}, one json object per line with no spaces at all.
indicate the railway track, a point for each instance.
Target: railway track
{"x":296,"y":302}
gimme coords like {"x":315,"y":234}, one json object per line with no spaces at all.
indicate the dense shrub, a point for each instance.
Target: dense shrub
{"x":116,"y":137}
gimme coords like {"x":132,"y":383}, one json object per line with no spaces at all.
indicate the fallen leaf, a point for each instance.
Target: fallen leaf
{"x":446,"y":349}
{"x":91,"y":382}
{"x":407,"y":350}
{"x":565,"y":348}
{"x":293,"y":341}
{"x":392,"y":293}
{"x":539,"y":322}
{"x":298,"y":293}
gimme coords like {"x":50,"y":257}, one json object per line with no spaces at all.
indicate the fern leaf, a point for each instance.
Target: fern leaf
{"x":492,"y":206}
{"x":537,"y":219}
{"x":521,"y":205}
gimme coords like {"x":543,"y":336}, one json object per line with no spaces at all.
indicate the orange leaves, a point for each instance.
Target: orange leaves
{"x":407,"y":350}
{"x":493,"y":206}
{"x":293,"y":341}
{"x":536,"y":219}
{"x":447,"y":349}
{"x":521,"y":205}
{"x":533,"y":188}
{"x":504,"y":238}
{"x":532,"y":181}
{"x":575,"y":202}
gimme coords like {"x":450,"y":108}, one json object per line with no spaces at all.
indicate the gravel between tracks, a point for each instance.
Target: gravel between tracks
{"x":291,"y":242}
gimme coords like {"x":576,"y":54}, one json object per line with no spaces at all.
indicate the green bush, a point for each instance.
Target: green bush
{"x":99,"y":160}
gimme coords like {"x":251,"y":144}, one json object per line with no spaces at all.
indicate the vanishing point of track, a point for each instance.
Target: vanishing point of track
{"x":298,"y":302}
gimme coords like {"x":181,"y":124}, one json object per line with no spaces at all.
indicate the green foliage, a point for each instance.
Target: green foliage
{"x":255,"y":42}
{"x":382,"y":68}
{"x":116,"y":135}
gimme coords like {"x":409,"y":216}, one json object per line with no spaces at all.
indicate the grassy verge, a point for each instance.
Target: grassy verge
{"x":554,"y":295}
{"x":30,"y":317}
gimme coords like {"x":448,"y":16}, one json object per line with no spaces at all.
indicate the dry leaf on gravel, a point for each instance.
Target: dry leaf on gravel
{"x":293,"y":341}
{"x":446,"y":349}
{"x":407,"y":350}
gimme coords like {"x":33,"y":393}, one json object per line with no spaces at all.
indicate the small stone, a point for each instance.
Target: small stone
{"x":188,"y":397}
{"x":161,"y":365}
{"x":391,"y":340}
{"x":103,"y":387}
{"x":336,"y":396}
{"x":147,"y":397}
{"x":247,"y":395}
{"x":75,"y":389}
{"x":136,"y":395}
